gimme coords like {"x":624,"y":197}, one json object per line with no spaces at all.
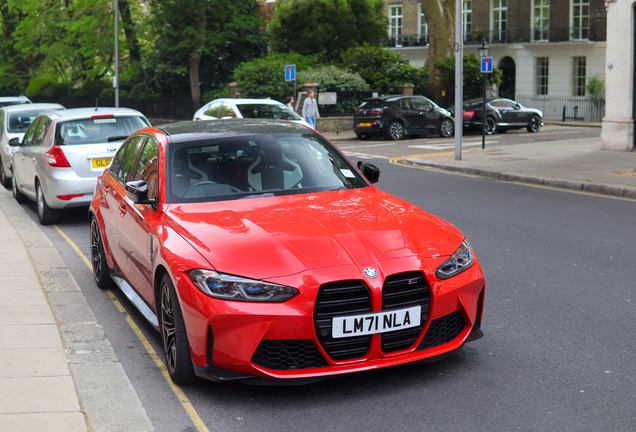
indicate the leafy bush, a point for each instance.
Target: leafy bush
{"x":36,"y":86}
{"x":92,"y":88}
{"x":265,"y":77}
{"x":596,"y":87}
{"x":347,"y":84}
{"x":385,"y":71}
{"x":473,"y":77}
{"x":57,"y":90}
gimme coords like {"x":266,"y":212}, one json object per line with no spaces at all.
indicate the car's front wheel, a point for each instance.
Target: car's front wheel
{"x":446,"y":128}
{"x":19,"y":196}
{"x":535,"y":124}
{"x":396,"y":130}
{"x":101,"y":272}
{"x":491,"y":125}
{"x":174,"y":337}
{"x":46,"y":214}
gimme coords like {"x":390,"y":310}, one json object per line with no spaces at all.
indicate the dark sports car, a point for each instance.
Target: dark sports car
{"x":501,"y":115}
{"x":398,"y":116}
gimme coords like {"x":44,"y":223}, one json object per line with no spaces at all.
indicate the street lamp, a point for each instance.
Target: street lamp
{"x":484,"y":50}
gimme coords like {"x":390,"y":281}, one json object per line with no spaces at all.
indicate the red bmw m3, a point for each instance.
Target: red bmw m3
{"x":259,"y":251}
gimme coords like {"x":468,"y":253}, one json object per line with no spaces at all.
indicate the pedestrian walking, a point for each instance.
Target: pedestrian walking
{"x":310,"y":109}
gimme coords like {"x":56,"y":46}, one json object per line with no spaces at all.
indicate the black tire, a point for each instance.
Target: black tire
{"x":396,"y":130}
{"x":46,"y":214}
{"x":174,"y":337}
{"x":491,"y":125}
{"x":363,"y":137}
{"x":534,"y":125}
{"x":19,"y":196}
{"x":4,"y":180}
{"x":101,"y":272}
{"x":446,"y":128}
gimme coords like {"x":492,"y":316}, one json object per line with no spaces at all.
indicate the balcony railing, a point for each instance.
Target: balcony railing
{"x":406,"y":41}
{"x":492,"y":37}
{"x":557,"y":34}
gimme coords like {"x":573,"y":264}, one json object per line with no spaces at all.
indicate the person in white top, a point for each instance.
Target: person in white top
{"x":310,"y":109}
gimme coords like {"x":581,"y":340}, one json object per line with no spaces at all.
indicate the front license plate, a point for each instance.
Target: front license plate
{"x":365,"y":124}
{"x":373,"y":323}
{"x":101,"y":163}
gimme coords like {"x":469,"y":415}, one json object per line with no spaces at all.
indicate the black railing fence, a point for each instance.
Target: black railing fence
{"x":566,"y":107}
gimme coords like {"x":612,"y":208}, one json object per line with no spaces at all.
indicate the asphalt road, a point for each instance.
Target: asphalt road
{"x":557,"y":355}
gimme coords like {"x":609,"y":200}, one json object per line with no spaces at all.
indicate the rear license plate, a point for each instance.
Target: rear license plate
{"x":101,"y":163}
{"x":373,"y":323}
{"x":365,"y":124}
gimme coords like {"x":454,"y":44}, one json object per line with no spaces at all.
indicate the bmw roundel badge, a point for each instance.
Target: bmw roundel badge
{"x":370,"y":272}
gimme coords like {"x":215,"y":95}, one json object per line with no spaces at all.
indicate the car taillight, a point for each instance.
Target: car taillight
{"x":469,"y":113}
{"x":69,"y":197}
{"x":98,"y":116}
{"x":376,"y":111}
{"x":55,"y":157}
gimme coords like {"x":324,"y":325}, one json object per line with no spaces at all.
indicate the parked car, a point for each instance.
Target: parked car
{"x":14,"y":100}
{"x":259,"y":251}
{"x":247,"y":108}
{"x":14,"y":121}
{"x":501,"y":115}
{"x":62,"y":153}
{"x":399,"y":116}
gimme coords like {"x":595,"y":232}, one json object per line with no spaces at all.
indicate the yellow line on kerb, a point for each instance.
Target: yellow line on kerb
{"x":183,"y":399}
{"x":401,"y":159}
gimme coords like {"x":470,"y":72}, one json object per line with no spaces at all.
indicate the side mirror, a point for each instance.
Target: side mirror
{"x":137,"y":192}
{"x":14,"y":141}
{"x":517,"y":106}
{"x":370,"y":171}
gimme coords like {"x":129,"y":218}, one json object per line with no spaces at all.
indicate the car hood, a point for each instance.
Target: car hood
{"x":279,"y":236}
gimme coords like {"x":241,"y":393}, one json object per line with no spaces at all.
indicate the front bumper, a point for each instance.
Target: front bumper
{"x":233,"y":340}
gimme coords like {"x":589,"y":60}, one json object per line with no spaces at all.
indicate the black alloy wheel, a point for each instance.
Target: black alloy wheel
{"x":101,"y":272}
{"x":396,"y":130}
{"x":4,"y":181}
{"x":446,"y":128}
{"x":491,"y":125}
{"x":46,"y":214}
{"x":19,"y":196}
{"x":174,"y":337}
{"x":535,"y":124}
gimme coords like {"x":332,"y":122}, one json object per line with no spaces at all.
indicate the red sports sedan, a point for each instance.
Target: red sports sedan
{"x":259,"y":251}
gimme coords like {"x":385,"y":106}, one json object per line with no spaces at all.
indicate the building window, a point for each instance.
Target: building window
{"x":500,"y":19}
{"x":467,"y":17}
{"x":541,"y":20}
{"x":395,"y":21}
{"x":422,"y":25}
{"x":580,"y":19}
{"x":543,"y":64}
{"x":578,"y":76}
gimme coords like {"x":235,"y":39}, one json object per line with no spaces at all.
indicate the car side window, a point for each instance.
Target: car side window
{"x":227,"y":111}
{"x":421,"y":104}
{"x":2,"y":116}
{"x":213,"y":110}
{"x":28,"y":136}
{"x":406,"y":104}
{"x":40,"y":132}
{"x":148,"y":167}
{"x":125,"y":158}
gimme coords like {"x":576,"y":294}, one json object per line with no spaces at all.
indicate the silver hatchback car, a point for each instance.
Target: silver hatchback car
{"x":63,"y":152}
{"x":14,"y":121}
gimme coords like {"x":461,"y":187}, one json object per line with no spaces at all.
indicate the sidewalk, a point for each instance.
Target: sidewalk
{"x":58,"y":371}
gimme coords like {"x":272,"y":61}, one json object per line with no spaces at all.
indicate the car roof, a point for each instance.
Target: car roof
{"x":209,"y":129}
{"x":13,"y":98}
{"x":78,"y":113}
{"x":395,"y":97}
{"x":250,"y":101}
{"x":31,"y":107}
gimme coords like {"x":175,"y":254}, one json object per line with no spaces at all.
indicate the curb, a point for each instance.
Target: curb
{"x":555,"y":182}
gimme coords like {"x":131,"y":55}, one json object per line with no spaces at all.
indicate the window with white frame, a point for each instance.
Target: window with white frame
{"x":541,"y":20}
{"x":467,"y":17}
{"x":422,"y":25}
{"x":580,"y":19}
{"x":500,"y":19}
{"x":395,"y":21}
{"x":542,"y":70}
{"x":578,"y":76}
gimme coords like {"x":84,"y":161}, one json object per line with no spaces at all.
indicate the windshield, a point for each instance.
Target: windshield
{"x":99,"y":129}
{"x":267,"y":111}
{"x":253,"y":166}
{"x":19,"y":121}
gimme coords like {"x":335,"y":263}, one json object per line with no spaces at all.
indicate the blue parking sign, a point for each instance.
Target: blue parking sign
{"x":290,"y":72}
{"x":486,"y":64}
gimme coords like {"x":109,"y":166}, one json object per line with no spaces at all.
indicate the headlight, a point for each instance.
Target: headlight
{"x":461,"y":260}
{"x":228,"y":287}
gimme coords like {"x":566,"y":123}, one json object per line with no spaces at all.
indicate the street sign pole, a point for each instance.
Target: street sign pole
{"x":290,"y":75}
{"x":486,"y":68}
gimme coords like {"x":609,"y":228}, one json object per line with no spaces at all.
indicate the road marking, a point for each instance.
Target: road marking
{"x":434,"y":146}
{"x":368,"y":145}
{"x":183,"y":399}
{"x":365,"y":155}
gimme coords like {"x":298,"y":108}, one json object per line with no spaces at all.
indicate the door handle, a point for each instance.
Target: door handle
{"x":122,"y":209}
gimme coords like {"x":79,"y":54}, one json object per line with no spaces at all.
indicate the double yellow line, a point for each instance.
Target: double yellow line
{"x":183,"y":399}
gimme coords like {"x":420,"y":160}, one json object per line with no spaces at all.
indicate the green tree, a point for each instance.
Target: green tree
{"x":473,"y":77}
{"x":440,"y":17}
{"x":190,"y":33}
{"x":326,"y":27}
{"x":15,"y":67}
{"x":384,"y":70}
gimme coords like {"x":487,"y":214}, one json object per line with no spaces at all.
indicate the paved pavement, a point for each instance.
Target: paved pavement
{"x":58,"y":371}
